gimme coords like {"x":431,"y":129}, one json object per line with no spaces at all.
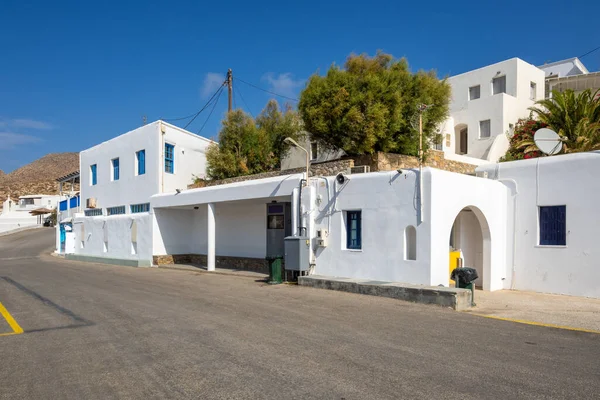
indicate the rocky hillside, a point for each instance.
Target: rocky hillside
{"x":38,"y":177}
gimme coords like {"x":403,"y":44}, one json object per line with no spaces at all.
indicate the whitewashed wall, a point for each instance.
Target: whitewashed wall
{"x":569,"y":180}
{"x":119,"y":234}
{"x":190,"y":158}
{"x":389,"y":203}
{"x":130,"y":188}
{"x":135,"y":189}
{"x":501,"y":109}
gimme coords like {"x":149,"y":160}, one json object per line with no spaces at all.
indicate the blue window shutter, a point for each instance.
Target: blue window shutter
{"x":169,"y":158}
{"x":115,"y":163}
{"x":141,"y":162}
{"x":94,"y":175}
{"x":353,"y":230}
{"x":553,"y":225}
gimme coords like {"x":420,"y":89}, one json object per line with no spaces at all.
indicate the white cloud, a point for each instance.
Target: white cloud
{"x":30,"y":124}
{"x":283,"y":84}
{"x":9,"y":140}
{"x":212,"y":81}
{"x":25,"y":123}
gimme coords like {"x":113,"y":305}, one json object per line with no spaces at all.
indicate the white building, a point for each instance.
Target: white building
{"x":16,"y":214}
{"x":119,"y":176}
{"x":552,"y":223}
{"x":569,"y":74}
{"x":529,"y":226}
{"x":485,"y":105}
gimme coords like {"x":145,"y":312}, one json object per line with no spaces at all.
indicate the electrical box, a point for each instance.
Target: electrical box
{"x":322,"y":235}
{"x":297,"y":253}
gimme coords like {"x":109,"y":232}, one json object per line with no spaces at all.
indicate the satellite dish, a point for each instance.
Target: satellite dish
{"x":547,"y":141}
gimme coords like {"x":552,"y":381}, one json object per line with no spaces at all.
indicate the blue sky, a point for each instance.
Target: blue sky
{"x":73,"y":74}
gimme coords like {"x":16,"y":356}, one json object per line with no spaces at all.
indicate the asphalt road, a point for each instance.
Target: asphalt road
{"x":101,"y":332}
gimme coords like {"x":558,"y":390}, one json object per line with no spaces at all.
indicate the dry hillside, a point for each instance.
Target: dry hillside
{"x":38,"y":177}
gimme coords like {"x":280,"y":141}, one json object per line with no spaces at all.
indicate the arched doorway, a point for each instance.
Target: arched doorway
{"x":470,"y":234}
{"x":461,"y":137}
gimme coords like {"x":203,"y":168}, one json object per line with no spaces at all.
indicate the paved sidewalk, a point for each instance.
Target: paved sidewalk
{"x":543,"y":309}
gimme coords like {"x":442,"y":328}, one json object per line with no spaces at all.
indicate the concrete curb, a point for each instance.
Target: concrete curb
{"x":457,"y":299}
{"x":26,"y":228}
{"x":245,"y":274}
{"x":111,"y":261}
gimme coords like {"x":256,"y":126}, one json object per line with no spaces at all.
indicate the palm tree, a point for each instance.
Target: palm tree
{"x":575,"y":117}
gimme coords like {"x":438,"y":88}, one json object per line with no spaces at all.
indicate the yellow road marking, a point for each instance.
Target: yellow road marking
{"x":11,"y":321}
{"x":522,"y":321}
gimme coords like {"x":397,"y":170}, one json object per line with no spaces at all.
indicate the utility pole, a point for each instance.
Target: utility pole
{"x":229,"y":81}
{"x":421,"y":107}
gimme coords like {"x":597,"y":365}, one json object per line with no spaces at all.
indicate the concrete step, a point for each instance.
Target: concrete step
{"x":457,"y":299}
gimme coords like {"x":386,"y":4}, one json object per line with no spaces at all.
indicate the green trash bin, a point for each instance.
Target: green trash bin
{"x":275,"y":270}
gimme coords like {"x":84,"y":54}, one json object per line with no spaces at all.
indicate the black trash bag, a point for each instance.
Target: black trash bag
{"x":464,"y":275}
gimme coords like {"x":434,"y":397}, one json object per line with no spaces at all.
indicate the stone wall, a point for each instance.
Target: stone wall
{"x":329,"y":168}
{"x":242,"y":263}
{"x":433,"y":158}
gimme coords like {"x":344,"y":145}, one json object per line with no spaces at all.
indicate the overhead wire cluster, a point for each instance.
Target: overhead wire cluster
{"x":214,"y":99}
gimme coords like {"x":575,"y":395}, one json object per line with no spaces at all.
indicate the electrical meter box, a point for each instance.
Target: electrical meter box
{"x":297,"y":253}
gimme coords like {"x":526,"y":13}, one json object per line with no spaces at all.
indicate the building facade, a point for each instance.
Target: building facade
{"x":119,"y":176}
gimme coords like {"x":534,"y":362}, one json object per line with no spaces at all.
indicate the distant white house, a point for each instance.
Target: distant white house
{"x":569,"y":74}
{"x":119,"y":176}
{"x":16,"y":214}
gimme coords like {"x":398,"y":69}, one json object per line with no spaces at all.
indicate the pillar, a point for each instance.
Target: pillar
{"x":210,"y":254}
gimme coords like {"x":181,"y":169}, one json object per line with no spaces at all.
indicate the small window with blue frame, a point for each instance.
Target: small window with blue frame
{"x":353,"y":230}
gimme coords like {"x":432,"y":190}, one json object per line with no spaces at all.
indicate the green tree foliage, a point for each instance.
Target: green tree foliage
{"x":247,"y":146}
{"x":575,"y":117}
{"x":371,"y":105}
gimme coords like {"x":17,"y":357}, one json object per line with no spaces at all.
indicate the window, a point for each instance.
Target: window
{"x":139,"y":208}
{"x":115,"y":210}
{"x":499,"y":85}
{"x":353,"y":230}
{"x":93,"y":212}
{"x":93,"y":174}
{"x":140,"y":156}
{"x":438,"y":142}
{"x":474,"y":92}
{"x":484,"y":129}
{"x":28,"y":202}
{"x":553,"y":226}
{"x":169,"y":158}
{"x":410,"y":243}
{"x":314,"y":150}
{"x":532,"y":90}
{"x":115,"y":169}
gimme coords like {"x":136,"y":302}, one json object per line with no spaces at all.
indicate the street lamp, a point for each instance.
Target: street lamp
{"x":293,"y":143}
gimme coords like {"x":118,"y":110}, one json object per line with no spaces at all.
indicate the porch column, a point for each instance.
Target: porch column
{"x":210,"y":254}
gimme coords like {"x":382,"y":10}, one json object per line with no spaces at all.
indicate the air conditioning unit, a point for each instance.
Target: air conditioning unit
{"x":90,"y":203}
{"x":481,"y":174}
{"x":361,"y":169}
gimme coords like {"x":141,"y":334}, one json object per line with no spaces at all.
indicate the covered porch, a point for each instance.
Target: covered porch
{"x":230,"y":226}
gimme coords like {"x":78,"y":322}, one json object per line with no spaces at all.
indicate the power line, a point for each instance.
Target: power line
{"x":266,"y":91}
{"x":244,"y":101}
{"x":589,"y":52}
{"x":206,"y":105}
{"x":211,"y":111}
